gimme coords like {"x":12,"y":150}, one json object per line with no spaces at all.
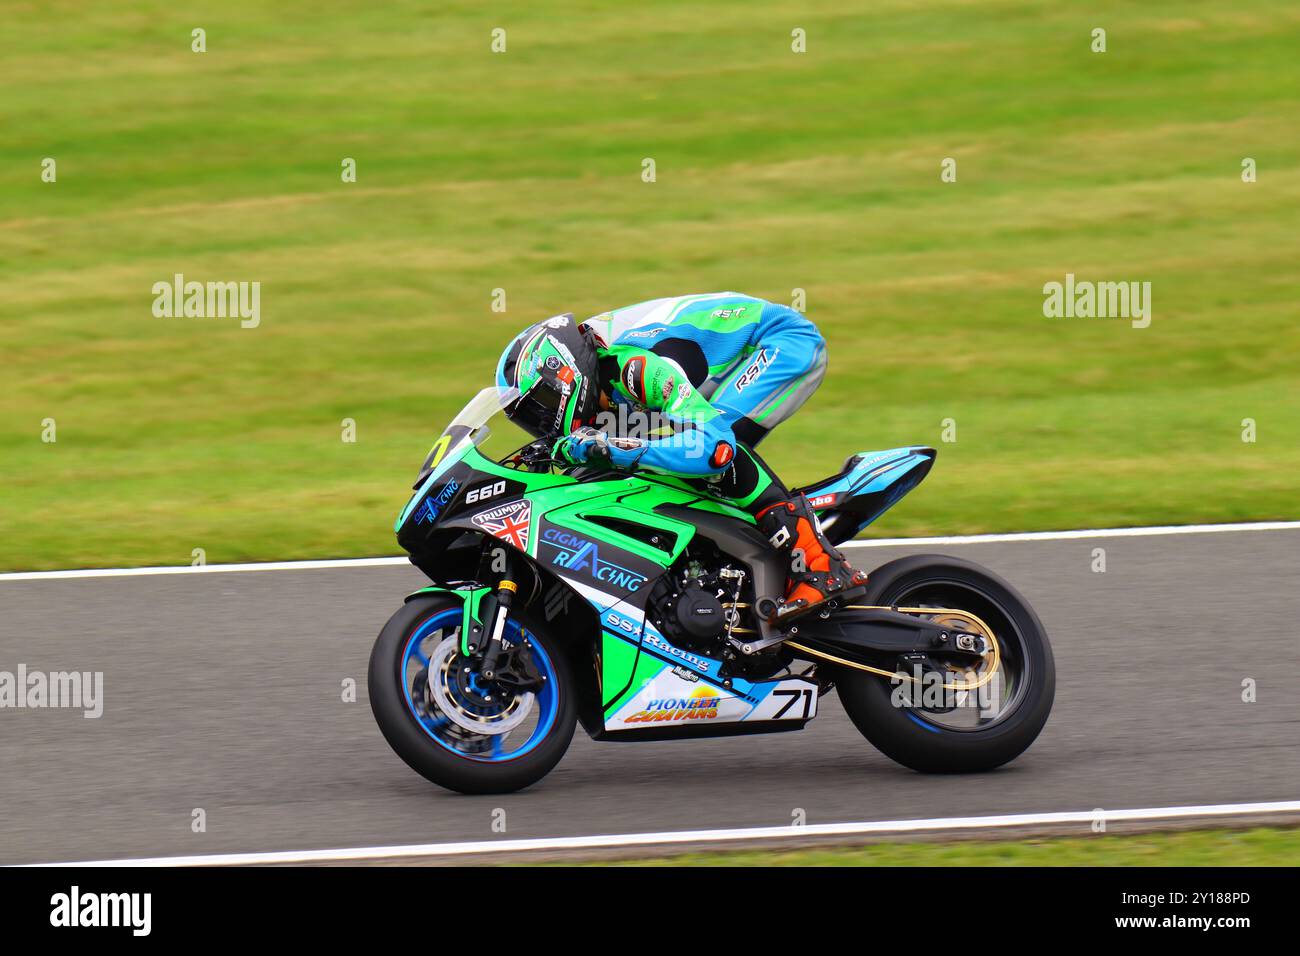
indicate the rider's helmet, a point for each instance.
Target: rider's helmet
{"x":553,"y":364}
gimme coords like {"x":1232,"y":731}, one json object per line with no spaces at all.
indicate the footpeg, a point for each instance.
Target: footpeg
{"x":798,"y":609}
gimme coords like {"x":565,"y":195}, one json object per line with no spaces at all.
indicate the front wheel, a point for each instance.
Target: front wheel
{"x":453,"y":727}
{"x":939,"y":730}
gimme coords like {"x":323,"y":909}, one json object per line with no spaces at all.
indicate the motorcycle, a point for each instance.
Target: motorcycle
{"x":636,"y":604}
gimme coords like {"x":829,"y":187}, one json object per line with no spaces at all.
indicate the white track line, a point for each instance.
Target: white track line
{"x":1152,"y":531}
{"x":890,"y":827}
{"x":871,"y":543}
{"x":205,"y":569}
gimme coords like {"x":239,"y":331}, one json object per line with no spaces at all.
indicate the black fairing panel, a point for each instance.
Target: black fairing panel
{"x":744,"y":543}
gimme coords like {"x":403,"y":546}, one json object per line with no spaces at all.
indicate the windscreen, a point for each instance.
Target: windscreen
{"x":469,"y":428}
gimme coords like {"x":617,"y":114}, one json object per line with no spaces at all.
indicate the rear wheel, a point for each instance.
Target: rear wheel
{"x":453,"y":727}
{"x":937,"y":730}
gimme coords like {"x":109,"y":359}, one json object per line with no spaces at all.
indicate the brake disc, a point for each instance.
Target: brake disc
{"x":452,"y":688}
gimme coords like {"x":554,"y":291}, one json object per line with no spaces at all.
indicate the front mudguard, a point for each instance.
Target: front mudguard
{"x":473,"y":611}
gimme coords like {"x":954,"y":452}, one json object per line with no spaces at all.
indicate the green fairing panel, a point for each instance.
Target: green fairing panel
{"x":549,"y":491}
{"x":471,"y":620}
{"x":631,"y":498}
{"x":624,"y":670}
{"x":618,"y":660}
{"x":592,"y":517}
{"x":581,"y":507}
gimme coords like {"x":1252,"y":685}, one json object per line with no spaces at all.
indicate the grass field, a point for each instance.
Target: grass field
{"x":522,"y":170}
{"x":1262,"y":846}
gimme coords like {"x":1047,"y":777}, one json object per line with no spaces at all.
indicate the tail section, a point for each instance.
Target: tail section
{"x":869,"y":485}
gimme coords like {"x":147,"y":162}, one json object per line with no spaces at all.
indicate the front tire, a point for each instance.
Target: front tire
{"x":450,"y":727}
{"x":943,"y":739}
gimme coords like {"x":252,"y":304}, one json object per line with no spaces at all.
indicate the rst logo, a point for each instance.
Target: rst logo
{"x":484,"y":492}
{"x":761,"y":361}
{"x":634,"y":378}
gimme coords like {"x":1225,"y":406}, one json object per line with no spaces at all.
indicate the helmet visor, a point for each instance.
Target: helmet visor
{"x":538,"y":412}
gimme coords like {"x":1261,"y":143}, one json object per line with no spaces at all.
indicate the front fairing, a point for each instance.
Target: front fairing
{"x":580,"y":531}
{"x":471,"y":492}
{"x":606,"y":542}
{"x":604,"y":535}
{"x":469,"y":429}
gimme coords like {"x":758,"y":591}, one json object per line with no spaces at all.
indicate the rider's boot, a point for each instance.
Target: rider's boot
{"x":818,"y":570}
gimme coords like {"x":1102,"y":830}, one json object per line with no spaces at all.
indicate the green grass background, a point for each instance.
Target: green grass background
{"x":522,"y":171}
{"x":1260,"y":846}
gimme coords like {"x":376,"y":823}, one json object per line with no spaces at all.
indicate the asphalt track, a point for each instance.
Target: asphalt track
{"x":223,"y":692}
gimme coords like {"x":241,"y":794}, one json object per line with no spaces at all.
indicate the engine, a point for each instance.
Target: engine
{"x":694,"y":607}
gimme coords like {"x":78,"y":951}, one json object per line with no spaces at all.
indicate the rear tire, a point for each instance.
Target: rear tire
{"x":412,"y":735}
{"x":918,"y":739}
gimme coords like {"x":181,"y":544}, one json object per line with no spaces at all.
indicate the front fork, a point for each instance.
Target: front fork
{"x":485,"y":611}
{"x":484,"y":624}
{"x":501,"y":600}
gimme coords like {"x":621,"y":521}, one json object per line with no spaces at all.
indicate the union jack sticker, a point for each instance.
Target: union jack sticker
{"x":509,"y":522}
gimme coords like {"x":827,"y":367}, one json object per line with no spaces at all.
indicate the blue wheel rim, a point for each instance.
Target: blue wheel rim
{"x":438,"y":728}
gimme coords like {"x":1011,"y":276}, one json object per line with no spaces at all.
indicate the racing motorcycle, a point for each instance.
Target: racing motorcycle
{"x":637,"y":605}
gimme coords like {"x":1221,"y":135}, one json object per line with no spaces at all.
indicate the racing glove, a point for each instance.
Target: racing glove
{"x":587,"y":446}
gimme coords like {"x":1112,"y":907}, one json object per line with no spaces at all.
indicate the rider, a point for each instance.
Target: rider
{"x":686,"y":386}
